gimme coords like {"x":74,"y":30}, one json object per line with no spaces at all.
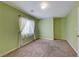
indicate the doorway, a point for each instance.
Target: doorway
{"x":59,"y":30}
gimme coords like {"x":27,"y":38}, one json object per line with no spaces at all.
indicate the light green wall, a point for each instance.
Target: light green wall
{"x":59,"y":28}
{"x":63,"y":28}
{"x":66,"y":28}
{"x":9,"y":29}
{"x":46,"y":28}
{"x":71,"y":28}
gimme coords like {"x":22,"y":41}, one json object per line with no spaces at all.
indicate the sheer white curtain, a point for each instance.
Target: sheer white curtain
{"x":26,"y":27}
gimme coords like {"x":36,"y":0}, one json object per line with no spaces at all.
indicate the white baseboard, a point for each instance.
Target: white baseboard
{"x":8,"y":51}
{"x":73,"y":47}
{"x":12,"y":50}
{"x":46,"y":38}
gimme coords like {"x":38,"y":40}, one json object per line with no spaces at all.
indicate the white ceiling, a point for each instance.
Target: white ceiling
{"x":55,"y":8}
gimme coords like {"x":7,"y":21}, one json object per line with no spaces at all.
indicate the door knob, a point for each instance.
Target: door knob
{"x":77,"y":35}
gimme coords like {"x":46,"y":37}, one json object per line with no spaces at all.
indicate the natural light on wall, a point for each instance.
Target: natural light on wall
{"x":43,"y":5}
{"x":26,"y":27}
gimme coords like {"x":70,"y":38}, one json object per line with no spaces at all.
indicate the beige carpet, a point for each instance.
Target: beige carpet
{"x":44,"y":48}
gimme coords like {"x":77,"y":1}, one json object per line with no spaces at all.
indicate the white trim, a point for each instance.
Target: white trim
{"x":78,"y":30}
{"x":12,"y":49}
{"x":73,"y":47}
{"x":8,"y":51}
{"x":47,"y":38}
{"x":26,"y":43}
{"x":78,"y":46}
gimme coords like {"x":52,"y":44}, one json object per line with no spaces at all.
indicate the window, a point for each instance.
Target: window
{"x":26,"y":27}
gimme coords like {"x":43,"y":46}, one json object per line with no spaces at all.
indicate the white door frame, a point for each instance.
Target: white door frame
{"x":77,"y":31}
